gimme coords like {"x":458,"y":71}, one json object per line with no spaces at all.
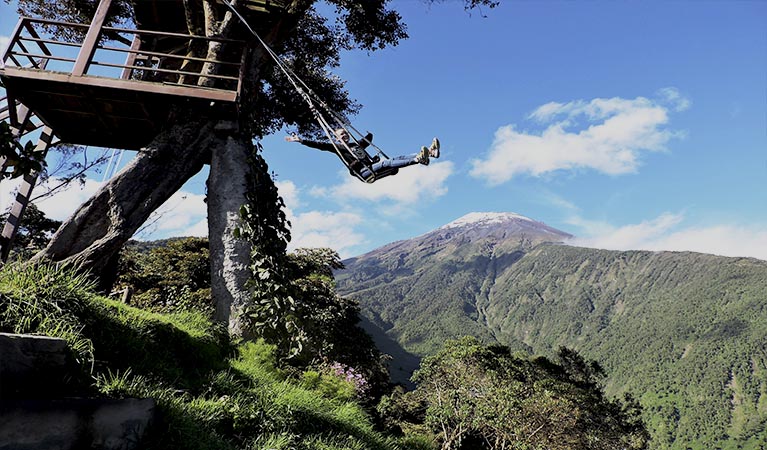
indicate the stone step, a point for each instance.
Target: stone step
{"x":31,"y":365}
{"x":73,"y":424}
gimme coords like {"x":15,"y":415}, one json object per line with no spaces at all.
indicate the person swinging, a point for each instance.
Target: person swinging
{"x":351,"y":151}
{"x":360,"y":163}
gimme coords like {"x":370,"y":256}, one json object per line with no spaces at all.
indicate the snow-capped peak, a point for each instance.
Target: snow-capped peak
{"x":485,"y":218}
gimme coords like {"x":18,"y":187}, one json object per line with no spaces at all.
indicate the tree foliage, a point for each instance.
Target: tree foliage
{"x":683,"y":331}
{"x":33,"y":233}
{"x":170,"y":277}
{"x":484,"y":397}
{"x":309,"y":323}
{"x":305,"y":319}
{"x":21,"y":157}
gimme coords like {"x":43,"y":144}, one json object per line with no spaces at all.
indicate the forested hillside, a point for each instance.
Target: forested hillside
{"x":684,"y":332}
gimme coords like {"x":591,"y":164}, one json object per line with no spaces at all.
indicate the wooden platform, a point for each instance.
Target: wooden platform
{"x":103,"y":112}
{"x":111,"y":94}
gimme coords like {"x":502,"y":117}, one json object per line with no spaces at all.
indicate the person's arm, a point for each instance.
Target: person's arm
{"x":324,"y":146}
{"x":365,"y":142}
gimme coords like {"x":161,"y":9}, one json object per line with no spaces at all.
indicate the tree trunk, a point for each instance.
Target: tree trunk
{"x":229,"y":256}
{"x":100,"y":226}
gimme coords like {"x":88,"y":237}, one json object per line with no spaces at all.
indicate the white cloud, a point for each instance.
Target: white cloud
{"x":4,"y":40}
{"x":725,"y":240}
{"x":667,"y":233}
{"x":183,"y":214}
{"x":199,"y":229}
{"x":628,"y":237}
{"x":604,"y":134}
{"x":674,"y":98}
{"x":289,"y":193}
{"x":410,"y":186}
{"x":64,"y":202}
{"x":337,"y":230}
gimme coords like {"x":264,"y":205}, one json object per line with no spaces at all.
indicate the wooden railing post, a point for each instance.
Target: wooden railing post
{"x":14,"y":37}
{"x":85,"y":56}
{"x":131,"y":59}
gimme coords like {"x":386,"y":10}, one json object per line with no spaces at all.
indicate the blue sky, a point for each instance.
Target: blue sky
{"x":631,"y":125}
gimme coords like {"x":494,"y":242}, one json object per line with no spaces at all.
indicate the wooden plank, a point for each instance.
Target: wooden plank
{"x":53,"y":22}
{"x":14,"y":36}
{"x":131,"y":59}
{"x":20,"y":118}
{"x":170,"y":71}
{"x":91,"y":38}
{"x":128,"y":85}
{"x":30,"y":56}
{"x":178,"y":35}
{"x":168,"y":55}
{"x":32,"y":32}
{"x":48,"y":41}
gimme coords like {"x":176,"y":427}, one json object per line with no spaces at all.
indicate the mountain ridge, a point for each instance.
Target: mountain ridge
{"x":701,"y":318}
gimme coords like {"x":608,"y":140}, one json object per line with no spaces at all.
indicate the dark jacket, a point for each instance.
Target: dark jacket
{"x":358,"y":150}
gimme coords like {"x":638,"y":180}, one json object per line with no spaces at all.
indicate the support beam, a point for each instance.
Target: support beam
{"x":131,"y":59}
{"x":85,"y":56}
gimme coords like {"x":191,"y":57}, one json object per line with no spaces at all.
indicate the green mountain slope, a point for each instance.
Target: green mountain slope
{"x":684,"y":332}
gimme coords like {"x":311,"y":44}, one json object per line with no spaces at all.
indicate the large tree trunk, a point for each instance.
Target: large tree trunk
{"x":229,"y":256}
{"x":100,"y":227}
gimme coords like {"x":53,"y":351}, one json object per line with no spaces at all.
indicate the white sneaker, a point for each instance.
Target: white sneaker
{"x":434,"y":148}
{"x":423,"y":157}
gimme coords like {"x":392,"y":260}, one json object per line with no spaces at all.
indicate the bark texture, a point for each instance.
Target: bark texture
{"x":100,"y":226}
{"x":229,"y":256}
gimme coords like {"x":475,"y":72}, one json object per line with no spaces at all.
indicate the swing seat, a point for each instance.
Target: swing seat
{"x":356,"y":168}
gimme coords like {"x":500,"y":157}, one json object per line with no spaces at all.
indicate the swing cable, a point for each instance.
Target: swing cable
{"x":311,"y":97}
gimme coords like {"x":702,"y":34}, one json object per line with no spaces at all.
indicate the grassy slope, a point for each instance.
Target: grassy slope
{"x":211,"y":395}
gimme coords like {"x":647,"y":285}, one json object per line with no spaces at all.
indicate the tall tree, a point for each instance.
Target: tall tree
{"x":483,"y":397}
{"x":310,"y":42}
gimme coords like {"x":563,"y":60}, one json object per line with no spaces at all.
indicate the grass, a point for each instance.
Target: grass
{"x":210,"y":393}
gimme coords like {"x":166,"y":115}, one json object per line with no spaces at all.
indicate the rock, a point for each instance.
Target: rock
{"x":32,"y":364}
{"x":73,"y":424}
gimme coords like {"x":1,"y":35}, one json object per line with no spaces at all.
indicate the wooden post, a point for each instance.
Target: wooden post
{"x":14,"y":37}
{"x":85,"y":56}
{"x":131,"y":59}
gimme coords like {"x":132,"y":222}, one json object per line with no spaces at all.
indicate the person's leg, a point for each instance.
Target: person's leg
{"x":391,"y":164}
{"x":396,"y":162}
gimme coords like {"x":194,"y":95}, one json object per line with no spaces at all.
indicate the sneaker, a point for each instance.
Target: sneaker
{"x":423,"y":157}
{"x":434,"y":148}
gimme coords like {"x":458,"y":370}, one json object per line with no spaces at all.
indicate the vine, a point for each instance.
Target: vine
{"x":264,"y":225}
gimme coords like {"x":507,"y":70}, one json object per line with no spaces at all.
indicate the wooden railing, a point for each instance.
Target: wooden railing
{"x":121,"y":53}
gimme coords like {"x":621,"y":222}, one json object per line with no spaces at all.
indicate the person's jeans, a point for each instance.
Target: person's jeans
{"x":388,"y":164}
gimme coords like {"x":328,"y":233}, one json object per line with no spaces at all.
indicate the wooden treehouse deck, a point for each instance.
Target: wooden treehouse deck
{"x":90,"y":84}
{"x":113,"y":87}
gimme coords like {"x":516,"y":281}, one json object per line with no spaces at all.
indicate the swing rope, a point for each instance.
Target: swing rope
{"x":311,"y":97}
